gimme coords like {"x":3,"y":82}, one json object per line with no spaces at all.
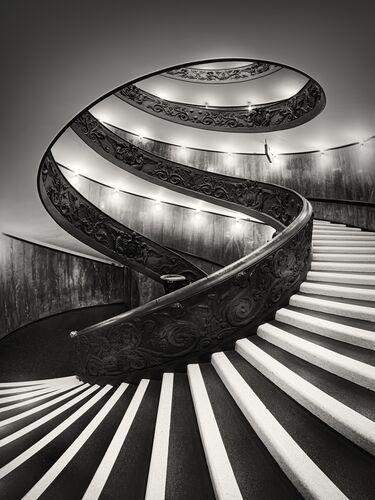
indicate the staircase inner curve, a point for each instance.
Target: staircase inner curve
{"x":288,"y":414}
{"x":214,"y":311}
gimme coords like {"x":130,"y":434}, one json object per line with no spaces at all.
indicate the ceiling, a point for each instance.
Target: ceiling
{"x":59,"y":57}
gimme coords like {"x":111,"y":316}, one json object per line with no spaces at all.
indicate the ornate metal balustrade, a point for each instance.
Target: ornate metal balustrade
{"x":273,"y":204}
{"x":280,"y":115}
{"x":243,"y":73}
{"x":211,"y":313}
{"x":90,"y":225}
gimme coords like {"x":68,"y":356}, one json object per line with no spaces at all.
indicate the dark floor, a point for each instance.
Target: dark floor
{"x":43,"y":349}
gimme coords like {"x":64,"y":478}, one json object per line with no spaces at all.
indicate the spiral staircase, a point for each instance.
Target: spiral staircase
{"x":255,"y":382}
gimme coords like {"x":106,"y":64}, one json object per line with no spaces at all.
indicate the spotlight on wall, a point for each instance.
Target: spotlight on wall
{"x":267,"y":151}
{"x":75,"y":179}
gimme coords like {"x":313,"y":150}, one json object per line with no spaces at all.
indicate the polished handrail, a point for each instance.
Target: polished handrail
{"x":212,"y":312}
{"x":275,"y":205}
{"x":251,"y":71}
{"x":302,"y":107}
{"x":81,"y":218}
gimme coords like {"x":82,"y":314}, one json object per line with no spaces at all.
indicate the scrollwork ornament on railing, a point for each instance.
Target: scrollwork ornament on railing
{"x":224,"y":75}
{"x":280,"y":115}
{"x":95,"y":228}
{"x":278,"y":203}
{"x":202,"y":322}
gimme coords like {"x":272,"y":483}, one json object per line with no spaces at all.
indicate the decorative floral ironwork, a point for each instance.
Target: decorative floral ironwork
{"x":89,"y":224}
{"x":225,"y":75}
{"x":200,"y":322}
{"x":211,"y":313}
{"x":277,"y":203}
{"x":280,"y":115}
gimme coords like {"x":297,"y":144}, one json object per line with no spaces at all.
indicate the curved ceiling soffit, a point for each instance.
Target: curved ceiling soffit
{"x":225,"y":75}
{"x":270,"y":117}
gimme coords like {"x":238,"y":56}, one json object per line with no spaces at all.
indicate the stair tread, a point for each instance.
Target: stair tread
{"x":18,"y":482}
{"x":76,"y":476}
{"x":352,"y":474}
{"x":351,"y":351}
{"x":130,"y":470}
{"x":18,"y":446}
{"x":356,"y":323}
{"x":187,"y":472}
{"x":356,"y":397}
{"x":340,"y":249}
{"x":257,"y":473}
{"x":338,"y":300}
{"x":53,"y":404}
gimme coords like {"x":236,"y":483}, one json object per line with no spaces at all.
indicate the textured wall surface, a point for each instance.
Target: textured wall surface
{"x":346,"y":173}
{"x":349,"y":214}
{"x":36,"y":282}
{"x":214,"y":237}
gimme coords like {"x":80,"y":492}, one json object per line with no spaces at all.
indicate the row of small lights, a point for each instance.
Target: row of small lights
{"x":158,"y":203}
{"x":183,"y":150}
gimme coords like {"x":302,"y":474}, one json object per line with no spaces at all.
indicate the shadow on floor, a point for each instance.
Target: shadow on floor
{"x":43,"y":349}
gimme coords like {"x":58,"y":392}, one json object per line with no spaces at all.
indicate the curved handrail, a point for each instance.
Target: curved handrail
{"x":275,"y":205}
{"x":280,"y":115}
{"x":243,"y":73}
{"x":89,"y":224}
{"x":211,"y":313}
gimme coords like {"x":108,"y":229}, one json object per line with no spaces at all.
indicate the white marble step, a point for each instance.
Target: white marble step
{"x":343,"y":236}
{"x":343,"y":292}
{"x":221,"y":472}
{"x":306,"y":476}
{"x":347,"y":310}
{"x":31,"y":411}
{"x":342,"y":249}
{"x":157,"y":474}
{"x":342,"y":418}
{"x":357,"y":267}
{"x":102,"y":473}
{"x":327,"y":223}
{"x":337,"y":277}
{"x":327,"y":328}
{"x":338,"y":230}
{"x":340,"y":242}
{"x":49,"y":381}
{"x":44,"y":482}
{"x":49,"y":416}
{"x":344,"y":257}
{"x":45,"y":440}
{"x":343,"y":366}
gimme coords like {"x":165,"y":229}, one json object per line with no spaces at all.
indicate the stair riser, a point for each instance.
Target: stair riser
{"x":343,"y":249}
{"x":341,"y":257}
{"x":355,"y":312}
{"x":343,"y":243}
{"x":349,"y":279}
{"x":332,"y":330}
{"x":343,"y":232}
{"x":343,"y":267}
{"x":343,"y":367}
{"x":339,"y":292}
{"x":340,"y":417}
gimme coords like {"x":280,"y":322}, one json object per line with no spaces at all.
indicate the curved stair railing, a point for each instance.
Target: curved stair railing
{"x":90,"y":225}
{"x":211,"y":313}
